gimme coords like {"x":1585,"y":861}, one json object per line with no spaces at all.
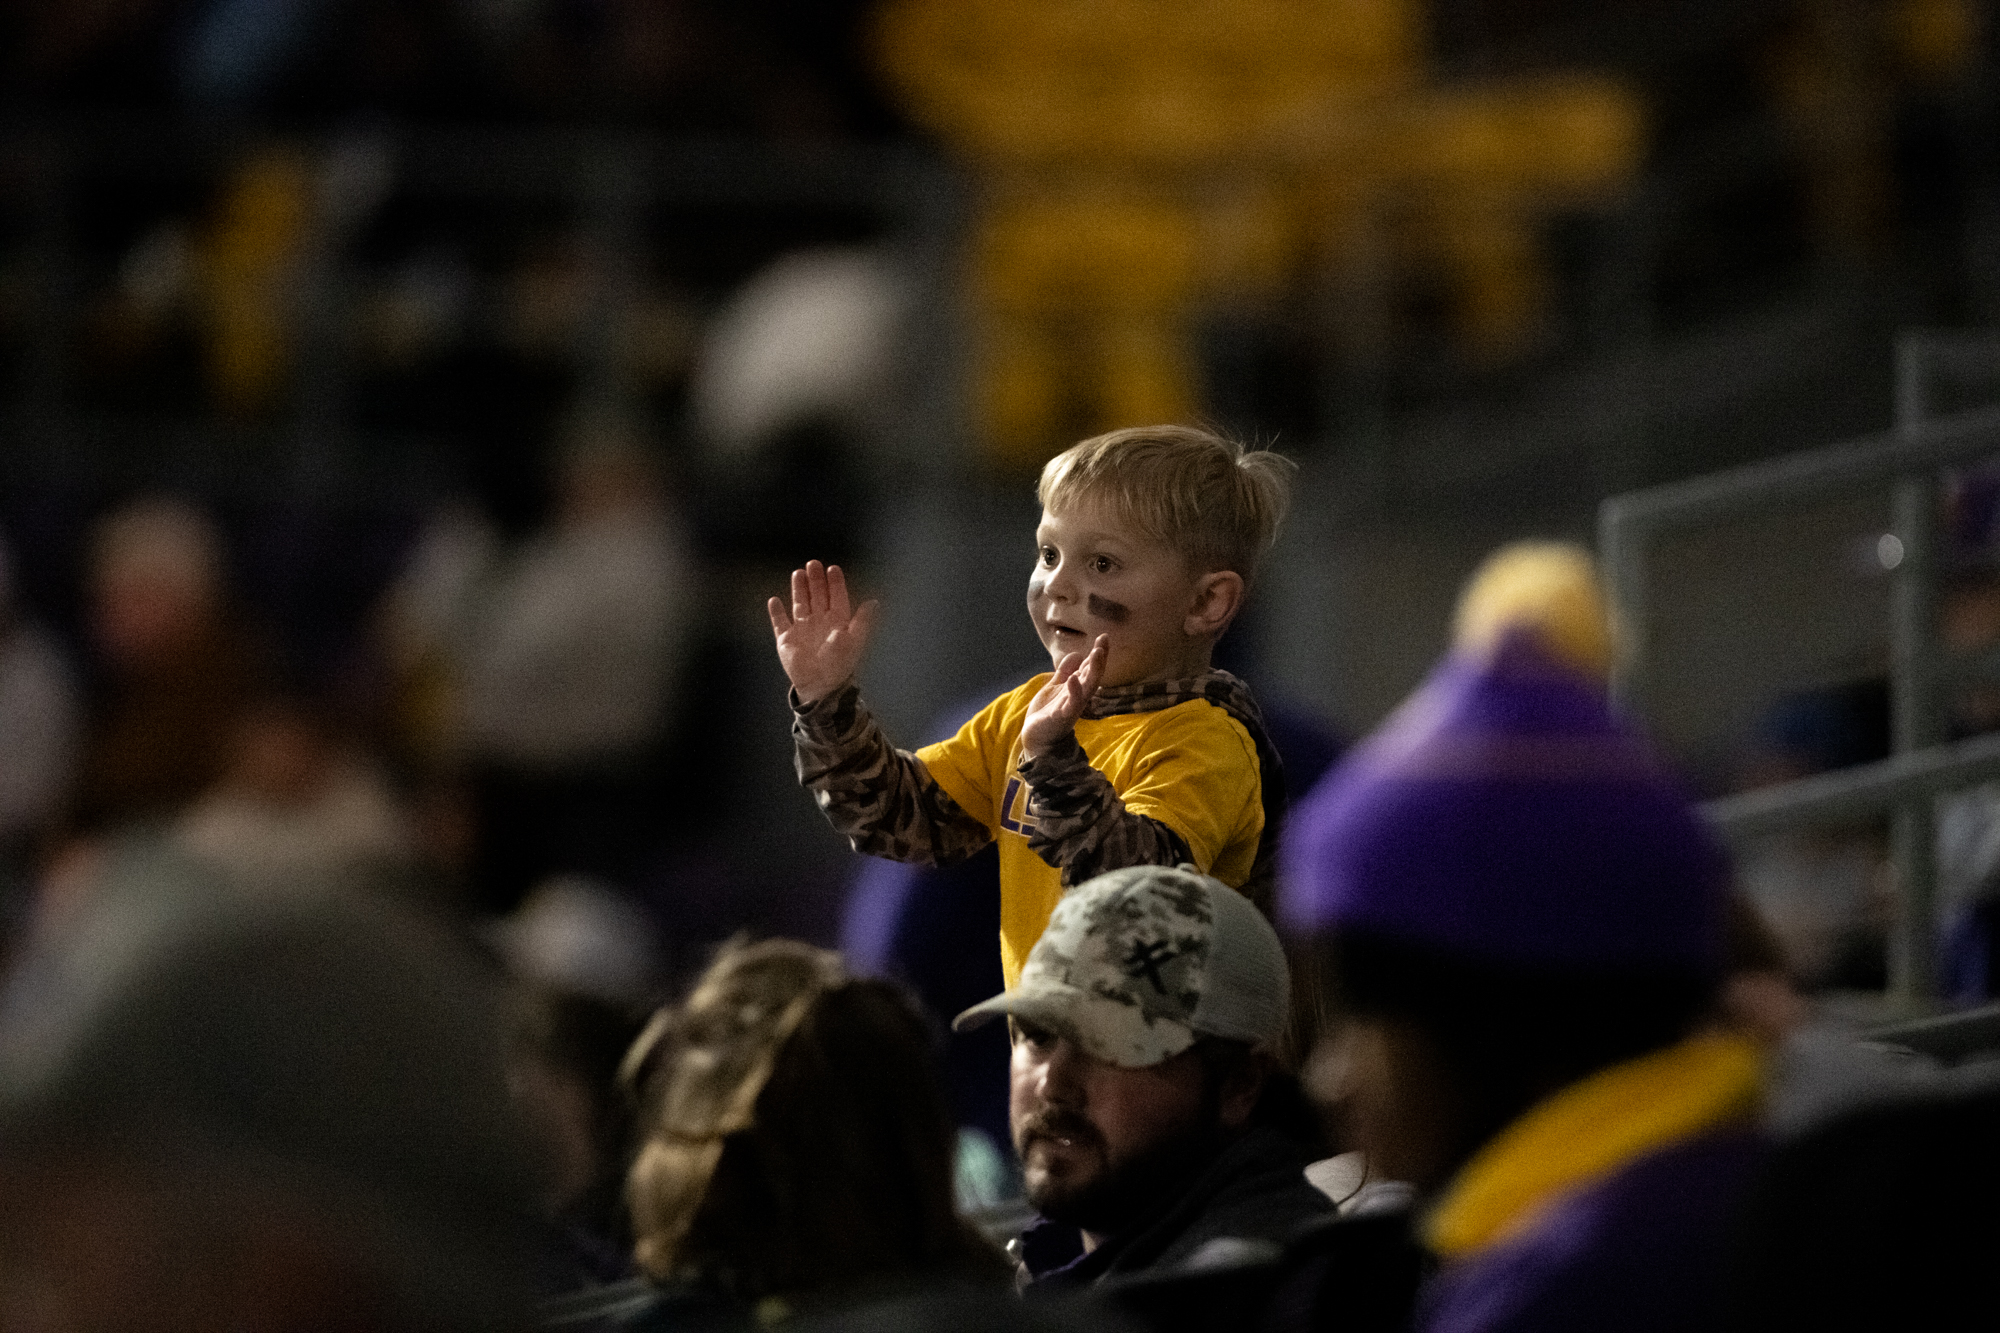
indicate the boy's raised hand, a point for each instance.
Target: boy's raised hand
{"x":1053,"y":712}
{"x":820,"y":642}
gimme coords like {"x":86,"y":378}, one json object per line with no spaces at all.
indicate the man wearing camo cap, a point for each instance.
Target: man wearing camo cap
{"x":1142,"y":1086}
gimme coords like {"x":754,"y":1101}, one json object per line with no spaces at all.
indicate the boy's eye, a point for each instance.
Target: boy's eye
{"x":1049,"y":557}
{"x":1102,"y":564}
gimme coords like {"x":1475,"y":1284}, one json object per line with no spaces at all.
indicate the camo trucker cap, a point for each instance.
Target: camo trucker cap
{"x":1137,"y":963}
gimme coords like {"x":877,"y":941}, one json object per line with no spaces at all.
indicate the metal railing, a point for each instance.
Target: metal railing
{"x":1912,"y":455}
{"x":1951,"y":1039}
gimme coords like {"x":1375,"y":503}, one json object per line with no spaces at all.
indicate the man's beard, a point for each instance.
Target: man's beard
{"x":1123,"y":1192}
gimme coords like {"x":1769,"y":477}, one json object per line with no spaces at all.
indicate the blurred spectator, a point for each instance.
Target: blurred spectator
{"x":584,"y":965}
{"x":587,"y":938}
{"x":811,"y":337}
{"x":1758,"y":996}
{"x":1525,"y":924}
{"x":1818,"y":1066}
{"x":796,"y":1150}
{"x":425,"y":626}
{"x":1818,"y":730}
{"x":1145,"y":1105}
{"x":794,"y":380}
{"x":267,"y":1114}
{"x":568,"y":679}
{"x":175,"y":669}
{"x":1822,"y":892}
{"x":563,"y":1069}
{"x":1826,"y":894}
{"x":294,"y":806}
{"x":1968,"y":862}
{"x":552,"y":670}
{"x":1882,"y":1212}
{"x":39,"y":721}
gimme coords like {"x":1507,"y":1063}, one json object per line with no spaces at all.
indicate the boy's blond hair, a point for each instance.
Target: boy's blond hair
{"x":1206,"y":496}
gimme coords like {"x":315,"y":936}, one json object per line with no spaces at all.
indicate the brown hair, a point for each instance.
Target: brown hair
{"x":795,"y":1138}
{"x":1205,"y":496}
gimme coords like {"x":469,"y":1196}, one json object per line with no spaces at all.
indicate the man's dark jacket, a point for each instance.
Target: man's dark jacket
{"x":1249,"y":1201}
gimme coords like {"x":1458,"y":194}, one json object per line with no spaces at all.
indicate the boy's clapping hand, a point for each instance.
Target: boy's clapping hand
{"x":1058,"y":704}
{"x":821,"y":641}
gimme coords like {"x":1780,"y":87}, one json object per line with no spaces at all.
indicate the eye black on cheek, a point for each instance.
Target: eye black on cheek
{"x":1106,"y":609}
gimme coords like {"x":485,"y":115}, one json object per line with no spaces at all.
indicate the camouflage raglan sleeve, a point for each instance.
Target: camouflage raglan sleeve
{"x":1081,"y":826}
{"x":881,"y":799}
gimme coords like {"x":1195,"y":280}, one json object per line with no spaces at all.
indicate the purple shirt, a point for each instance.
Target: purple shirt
{"x":1644,"y":1250}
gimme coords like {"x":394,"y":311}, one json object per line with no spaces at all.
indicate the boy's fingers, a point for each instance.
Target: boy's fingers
{"x":801,"y":597}
{"x":816,"y":585}
{"x":1085,"y":683}
{"x":865,"y":616}
{"x":780,"y":622}
{"x":836,"y":592}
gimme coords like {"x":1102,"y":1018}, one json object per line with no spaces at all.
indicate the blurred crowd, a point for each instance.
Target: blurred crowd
{"x":504,"y":717}
{"x":260,"y":1070}
{"x":1257,"y":220}
{"x":489,"y":766}
{"x":377,"y":948}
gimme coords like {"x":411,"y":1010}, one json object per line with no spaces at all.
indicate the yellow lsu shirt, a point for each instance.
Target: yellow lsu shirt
{"x":1193,"y":767}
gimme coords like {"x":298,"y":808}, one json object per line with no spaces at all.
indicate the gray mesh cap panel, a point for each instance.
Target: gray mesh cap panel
{"x":1247,"y":991}
{"x":1137,"y":963}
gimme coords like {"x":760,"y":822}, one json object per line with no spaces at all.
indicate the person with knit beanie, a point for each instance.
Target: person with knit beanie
{"x":1522,"y":922}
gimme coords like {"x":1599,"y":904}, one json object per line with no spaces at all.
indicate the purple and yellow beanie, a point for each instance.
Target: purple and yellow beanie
{"x":1505,"y":812}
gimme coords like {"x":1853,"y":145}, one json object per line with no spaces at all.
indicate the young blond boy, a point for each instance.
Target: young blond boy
{"x":1134,"y":750}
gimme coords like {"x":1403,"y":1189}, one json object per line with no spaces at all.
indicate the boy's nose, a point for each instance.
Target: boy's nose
{"x":1059,"y":585}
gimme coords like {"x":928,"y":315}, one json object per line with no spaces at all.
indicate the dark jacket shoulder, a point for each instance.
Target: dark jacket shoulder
{"x":1881,"y":1218}
{"x":1248,"y":1203}
{"x":1359,"y":1275}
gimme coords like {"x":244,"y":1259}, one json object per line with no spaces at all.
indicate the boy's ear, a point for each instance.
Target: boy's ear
{"x":1217,"y":598}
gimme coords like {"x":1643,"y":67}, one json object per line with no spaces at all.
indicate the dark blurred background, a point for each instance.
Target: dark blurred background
{"x":408,"y":404}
